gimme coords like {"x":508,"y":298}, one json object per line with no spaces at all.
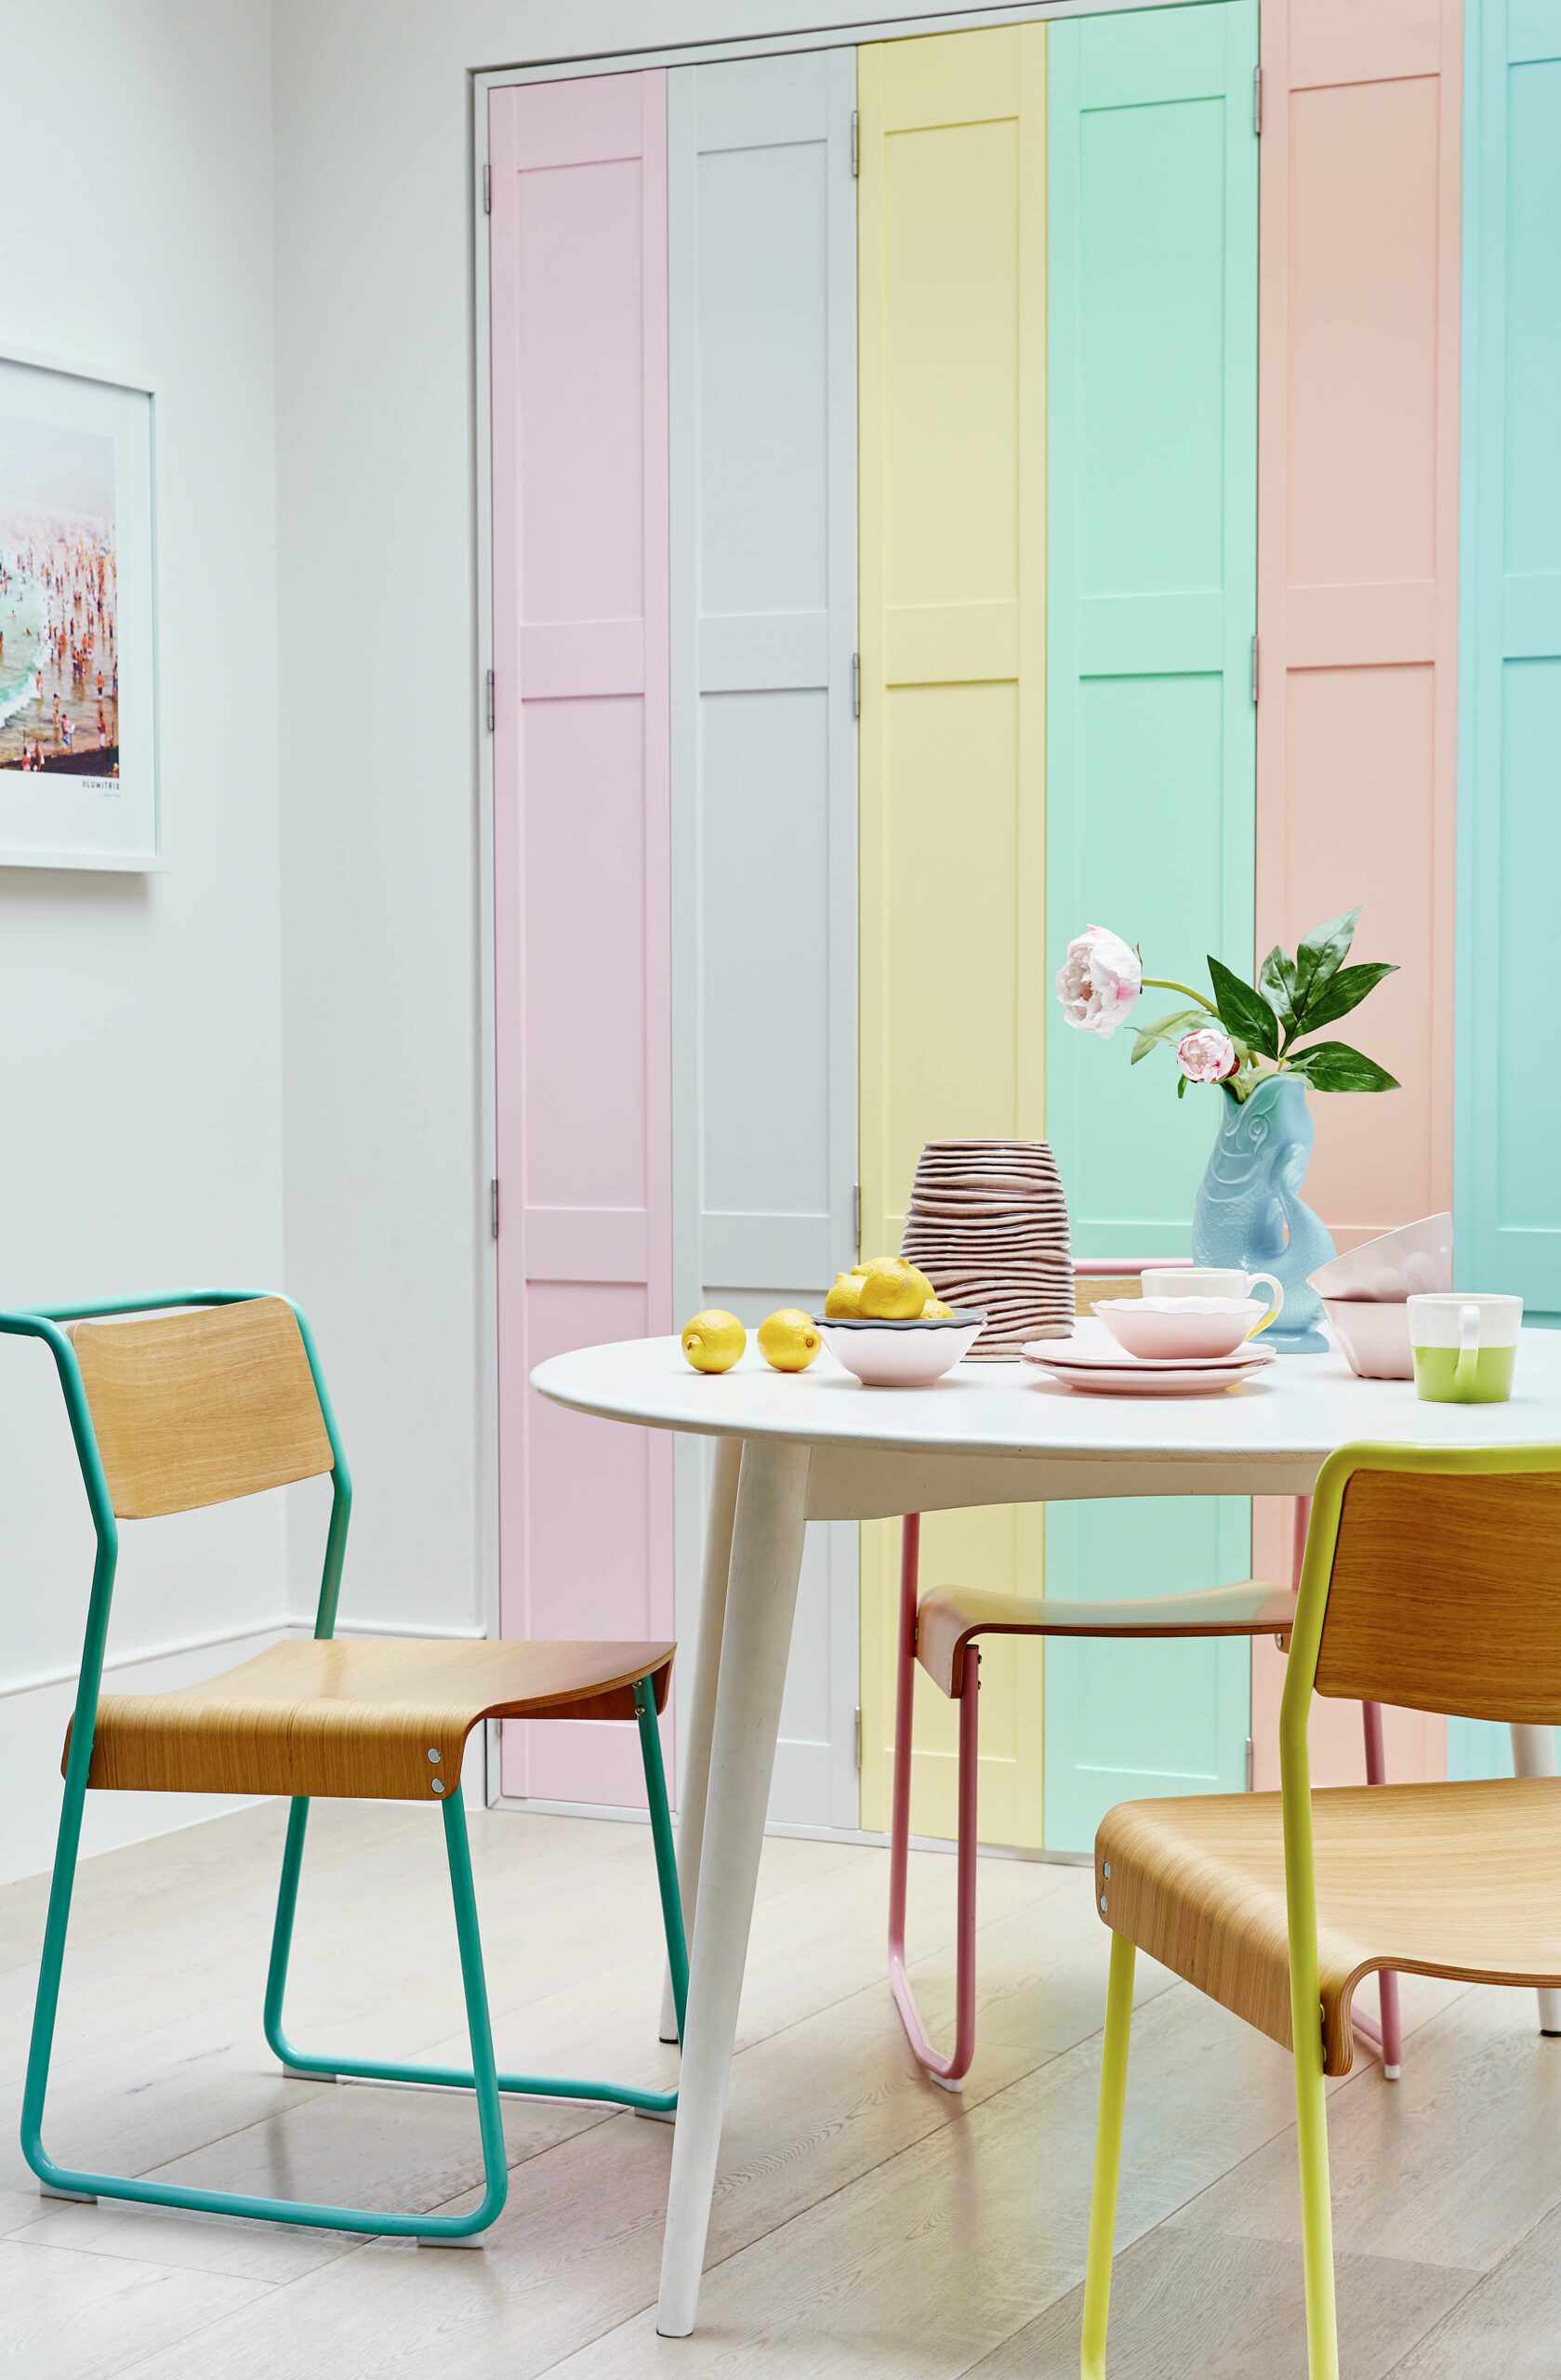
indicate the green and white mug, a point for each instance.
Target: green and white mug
{"x":1465,"y":1348}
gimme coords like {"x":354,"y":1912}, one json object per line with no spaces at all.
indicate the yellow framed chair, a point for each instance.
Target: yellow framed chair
{"x":171,"y":1410}
{"x":1432,"y":1580}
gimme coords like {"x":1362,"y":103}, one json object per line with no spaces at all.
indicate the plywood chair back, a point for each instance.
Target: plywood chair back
{"x":1090,"y":1287}
{"x":194,"y":1409}
{"x":1445,"y":1587}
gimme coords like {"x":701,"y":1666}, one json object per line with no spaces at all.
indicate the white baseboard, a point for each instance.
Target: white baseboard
{"x":798,"y":1833}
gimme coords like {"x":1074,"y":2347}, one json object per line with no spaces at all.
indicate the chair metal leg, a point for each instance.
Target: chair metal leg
{"x":481,"y":2078}
{"x":1317,"y":2211}
{"x":1108,"y":2158}
{"x":305,"y":2065}
{"x":950,"y":2070}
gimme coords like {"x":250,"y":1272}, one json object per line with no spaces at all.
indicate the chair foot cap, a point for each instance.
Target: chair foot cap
{"x":464,"y":2239}
{"x":668,"y":2041}
{"x":1392,"y":2073}
{"x":1550,"y":2033}
{"x":656,"y":2115}
{"x":955,"y":2082}
{"x":305,"y":2074}
{"x":77,"y":2198}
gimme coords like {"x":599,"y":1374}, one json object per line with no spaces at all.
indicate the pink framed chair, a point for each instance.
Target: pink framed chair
{"x":942,"y":1631}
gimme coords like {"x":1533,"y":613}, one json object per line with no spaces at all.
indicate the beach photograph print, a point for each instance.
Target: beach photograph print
{"x":58,"y":645}
{"x":77,"y":746}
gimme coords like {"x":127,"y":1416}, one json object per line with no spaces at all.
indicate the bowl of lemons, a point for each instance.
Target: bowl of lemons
{"x":884,"y":1321}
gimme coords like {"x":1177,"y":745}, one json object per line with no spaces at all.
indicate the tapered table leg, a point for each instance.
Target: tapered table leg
{"x":694,"y":1775}
{"x":1534,"y":1755}
{"x":761,"y":1601}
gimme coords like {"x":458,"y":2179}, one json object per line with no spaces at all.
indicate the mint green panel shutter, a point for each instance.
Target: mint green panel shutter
{"x":1509,"y":821}
{"x":1150,"y":774}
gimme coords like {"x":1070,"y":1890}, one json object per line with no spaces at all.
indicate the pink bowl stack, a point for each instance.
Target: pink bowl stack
{"x":988,"y":1226}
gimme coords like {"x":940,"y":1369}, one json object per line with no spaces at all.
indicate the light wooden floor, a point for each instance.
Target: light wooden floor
{"x":865,"y":2222}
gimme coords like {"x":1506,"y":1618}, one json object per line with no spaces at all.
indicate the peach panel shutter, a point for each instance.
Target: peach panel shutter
{"x":1357,"y":607}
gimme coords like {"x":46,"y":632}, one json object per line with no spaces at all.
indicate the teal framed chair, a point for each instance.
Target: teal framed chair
{"x":170,"y":1410}
{"x":1432,"y":1579}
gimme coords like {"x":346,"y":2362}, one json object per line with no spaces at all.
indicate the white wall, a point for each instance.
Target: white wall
{"x":385,"y":1191}
{"x":142,"y":1067}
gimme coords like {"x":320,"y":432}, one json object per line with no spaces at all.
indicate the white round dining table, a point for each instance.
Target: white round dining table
{"x":818,"y":1446}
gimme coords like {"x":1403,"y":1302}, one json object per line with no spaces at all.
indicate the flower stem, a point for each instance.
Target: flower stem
{"x":1166,"y":984}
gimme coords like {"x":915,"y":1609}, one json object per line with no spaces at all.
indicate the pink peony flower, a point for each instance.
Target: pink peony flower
{"x":1206,"y":1055}
{"x":1098,"y":981}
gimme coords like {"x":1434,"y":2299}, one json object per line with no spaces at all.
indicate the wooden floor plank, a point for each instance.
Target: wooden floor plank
{"x":1185,"y":2301}
{"x":1452,"y":2165}
{"x":864,"y":2223}
{"x":1508,"y":2328}
{"x":68,"y":2317}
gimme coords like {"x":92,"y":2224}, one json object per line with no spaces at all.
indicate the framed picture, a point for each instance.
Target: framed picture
{"x":78,"y":619}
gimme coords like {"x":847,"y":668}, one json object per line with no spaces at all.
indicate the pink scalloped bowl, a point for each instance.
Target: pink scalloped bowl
{"x":1166,"y":1329}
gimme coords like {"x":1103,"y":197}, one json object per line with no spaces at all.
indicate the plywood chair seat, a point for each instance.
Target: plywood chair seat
{"x":949,"y":1617}
{"x":1457,"y":1880}
{"x":357,"y":1716}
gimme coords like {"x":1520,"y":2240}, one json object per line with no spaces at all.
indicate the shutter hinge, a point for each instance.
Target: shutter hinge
{"x":857,"y":685}
{"x":1257,"y":100}
{"x":1254,"y":669}
{"x":859,"y":1739}
{"x":490,"y":702}
{"x":855,"y":142}
{"x":1248,"y":1764}
{"x":856,"y":1218}
{"x":487,"y":189}
{"x":492,"y":1206}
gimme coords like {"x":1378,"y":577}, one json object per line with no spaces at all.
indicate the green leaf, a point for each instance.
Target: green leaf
{"x":1319,"y":957}
{"x":1347,"y":990}
{"x":1334,"y":1066}
{"x":1164,"y":1028}
{"x":1181,"y":1086}
{"x":1242,"y":1012}
{"x":1277,"y":983}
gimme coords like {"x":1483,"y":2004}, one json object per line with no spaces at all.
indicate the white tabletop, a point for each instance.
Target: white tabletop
{"x":1297,"y":1406}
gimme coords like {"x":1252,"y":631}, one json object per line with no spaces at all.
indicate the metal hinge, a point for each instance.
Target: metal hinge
{"x":856,"y":1217}
{"x":857,"y":685}
{"x":1257,"y":100}
{"x":1248,"y":1764}
{"x":487,"y":189}
{"x":492,"y":1206}
{"x":856,"y":140}
{"x":490,"y":702}
{"x":1254,"y":669}
{"x":859,"y":1738}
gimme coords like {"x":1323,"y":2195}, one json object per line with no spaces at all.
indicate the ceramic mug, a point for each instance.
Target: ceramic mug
{"x":1211,"y":1281}
{"x":1465,"y":1348}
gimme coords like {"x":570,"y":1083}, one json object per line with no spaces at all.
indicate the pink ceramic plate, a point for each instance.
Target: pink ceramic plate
{"x":1130,"y":1379}
{"x":1101,"y":1355}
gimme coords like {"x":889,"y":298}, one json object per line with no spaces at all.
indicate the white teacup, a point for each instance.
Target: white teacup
{"x":1211,"y":1281}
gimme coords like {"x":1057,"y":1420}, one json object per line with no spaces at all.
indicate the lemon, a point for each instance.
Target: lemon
{"x":845,"y":1298}
{"x":789,"y":1339}
{"x":935,"y":1311}
{"x":894,"y":1290}
{"x":714,"y":1340}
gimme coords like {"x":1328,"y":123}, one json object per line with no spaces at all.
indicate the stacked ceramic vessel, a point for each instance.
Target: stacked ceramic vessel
{"x":988,"y":1226}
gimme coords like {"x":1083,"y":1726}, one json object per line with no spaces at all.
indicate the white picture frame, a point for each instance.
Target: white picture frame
{"x":79,"y":617}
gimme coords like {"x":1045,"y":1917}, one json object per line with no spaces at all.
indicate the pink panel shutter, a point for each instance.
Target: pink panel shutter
{"x":1357,"y":611}
{"x":582,"y":893}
